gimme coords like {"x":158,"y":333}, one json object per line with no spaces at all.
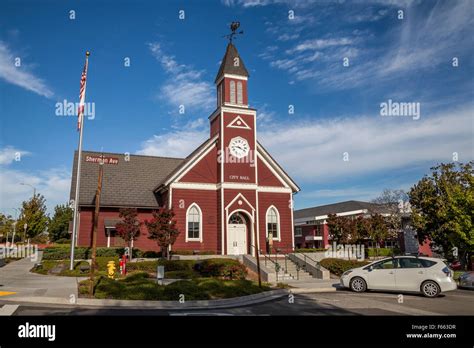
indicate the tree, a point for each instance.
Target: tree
{"x":443,"y":208}
{"x":377,"y":229}
{"x":6,"y":226}
{"x":162,"y":229}
{"x":33,"y":213}
{"x":129,"y":228}
{"x":395,"y":203}
{"x":59,"y":225}
{"x":336,"y":228}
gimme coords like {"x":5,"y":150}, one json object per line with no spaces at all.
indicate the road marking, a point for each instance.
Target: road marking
{"x":6,"y":293}
{"x":8,"y":310}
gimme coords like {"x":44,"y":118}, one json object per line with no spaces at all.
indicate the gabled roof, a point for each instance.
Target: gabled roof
{"x":125,"y":184}
{"x":228,"y":66}
{"x":338,"y":208}
{"x":188,"y":161}
{"x":281,"y":172}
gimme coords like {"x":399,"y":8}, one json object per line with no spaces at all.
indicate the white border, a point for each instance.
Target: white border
{"x":194,"y":204}
{"x":278,"y":223}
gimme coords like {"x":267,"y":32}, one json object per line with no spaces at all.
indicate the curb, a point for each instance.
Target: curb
{"x":174,"y":305}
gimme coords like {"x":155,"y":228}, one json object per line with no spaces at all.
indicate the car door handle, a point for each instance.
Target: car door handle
{"x":390,"y":272}
{"x":420,"y":272}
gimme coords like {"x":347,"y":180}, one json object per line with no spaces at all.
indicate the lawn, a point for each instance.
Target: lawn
{"x":139,"y":286}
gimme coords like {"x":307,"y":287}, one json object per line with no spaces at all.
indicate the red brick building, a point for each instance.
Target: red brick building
{"x":223,"y":194}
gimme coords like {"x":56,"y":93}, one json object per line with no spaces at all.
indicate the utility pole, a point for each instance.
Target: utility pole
{"x":257,"y":256}
{"x":96,"y":222}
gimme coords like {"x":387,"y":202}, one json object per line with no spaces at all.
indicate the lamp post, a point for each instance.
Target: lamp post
{"x":14,"y":224}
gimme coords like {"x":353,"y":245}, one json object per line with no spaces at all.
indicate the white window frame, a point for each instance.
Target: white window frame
{"x":240,"y":95}
{"x":278,"y":223}
{"x":194,"y":205}
{"x":232,"y":92}
{"x":300,"y":233}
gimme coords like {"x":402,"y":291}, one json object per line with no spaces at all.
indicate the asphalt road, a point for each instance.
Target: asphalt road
{"x":342,"y":302}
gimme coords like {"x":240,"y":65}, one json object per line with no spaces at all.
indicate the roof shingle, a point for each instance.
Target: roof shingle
{"x":126,"y":184}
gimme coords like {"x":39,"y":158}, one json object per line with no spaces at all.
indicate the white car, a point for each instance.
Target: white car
{"x":427,"y":275}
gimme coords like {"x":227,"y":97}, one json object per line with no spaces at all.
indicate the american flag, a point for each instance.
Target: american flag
{"x":82,"y":97}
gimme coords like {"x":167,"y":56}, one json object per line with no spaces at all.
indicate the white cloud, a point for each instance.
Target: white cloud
{"x":313,"y":151}
{"x":9,"y":154}
{"x":177,"y":143}
{"x":185,"y":86}
{"x":20,"y":76}
{"x":53,"y":184}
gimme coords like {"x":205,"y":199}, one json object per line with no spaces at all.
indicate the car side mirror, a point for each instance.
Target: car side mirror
{"x":370,"y":269}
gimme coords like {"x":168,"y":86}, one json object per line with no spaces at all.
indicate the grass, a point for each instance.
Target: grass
{"x":139,"y":286}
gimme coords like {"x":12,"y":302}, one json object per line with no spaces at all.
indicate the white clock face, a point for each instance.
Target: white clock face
{"x":239,"y":147}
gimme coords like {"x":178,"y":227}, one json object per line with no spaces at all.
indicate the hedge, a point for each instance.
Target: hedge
{"x":63,"y":251}
{"x":372,"y":252}
{"x":339,"y":266}
{"x":222,"y":268}
{"x":193,"y":252}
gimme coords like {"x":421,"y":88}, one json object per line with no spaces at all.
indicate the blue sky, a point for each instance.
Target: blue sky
{"x":292,"y":61}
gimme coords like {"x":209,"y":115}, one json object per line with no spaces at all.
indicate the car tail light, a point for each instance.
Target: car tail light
{"x":446,"y":271}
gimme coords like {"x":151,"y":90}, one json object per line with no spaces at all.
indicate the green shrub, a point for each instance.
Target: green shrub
{"x":63,"y":241}
{"x":189,"y":289}
{"x":181,"y":274}
{"x":372,"y":252}
{"x":193,"y":252}
{"x":339,"y":266}
{"x":151,"y":254}
{"x":222,"y":268}
{"x":145,"y":266}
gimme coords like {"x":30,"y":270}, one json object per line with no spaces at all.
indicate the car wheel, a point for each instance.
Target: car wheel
{"x":358,"y":284}
{"x":430,"y":289}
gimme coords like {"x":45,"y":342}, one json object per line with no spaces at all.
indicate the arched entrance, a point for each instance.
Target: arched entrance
{"x":237,"y":231}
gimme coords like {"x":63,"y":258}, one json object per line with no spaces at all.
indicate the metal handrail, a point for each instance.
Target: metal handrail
{"x":276,"y":264}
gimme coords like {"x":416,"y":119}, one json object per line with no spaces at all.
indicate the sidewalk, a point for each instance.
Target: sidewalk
{"x":313,"y":285}
{"x":16,"y":277}
{"x":41,"y":289}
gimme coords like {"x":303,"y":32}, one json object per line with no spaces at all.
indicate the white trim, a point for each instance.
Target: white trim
{"x":236,"y":105}
{"x":237,"y":197}
{"x":324,"y":217}
{"x":223,"y":226}
{"x":194,"y":204}
{"x":228,"y":185}
{"x":270,"y":167}
{"x":278,"y":223}
{"x":273,"y":165}
{"x":191,"y":162}
{"x":232,"y":84}
{"x":292,"y":223}
{"x":108,"y":237}
{"x":240,"y":110}
{"x":232,"y":76}
{"x":238,"y":118}
{"x":251,"y":223}
{"x":194,"y":186}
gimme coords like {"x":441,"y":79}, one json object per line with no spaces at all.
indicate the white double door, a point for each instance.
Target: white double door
{"x":236,"y":239}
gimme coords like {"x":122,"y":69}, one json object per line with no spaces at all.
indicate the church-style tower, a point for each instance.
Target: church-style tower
{"x":234,"y":121}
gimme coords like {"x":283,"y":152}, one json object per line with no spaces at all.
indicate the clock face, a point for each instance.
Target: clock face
{"x":239,"y":147}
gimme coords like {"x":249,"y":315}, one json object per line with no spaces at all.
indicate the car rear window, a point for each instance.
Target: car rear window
{"x":427,"y":263}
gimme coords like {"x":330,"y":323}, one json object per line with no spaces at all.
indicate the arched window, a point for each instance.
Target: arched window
{"x":194,"y":223}
{"x":240,"y":99}
{"x":273,"y":224}
{"x":232,"y":92}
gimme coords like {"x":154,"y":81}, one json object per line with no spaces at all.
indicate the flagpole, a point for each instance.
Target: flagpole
{"x":75,"y":222}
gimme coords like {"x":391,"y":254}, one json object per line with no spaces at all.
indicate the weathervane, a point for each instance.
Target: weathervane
{"x":233,"y":26}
